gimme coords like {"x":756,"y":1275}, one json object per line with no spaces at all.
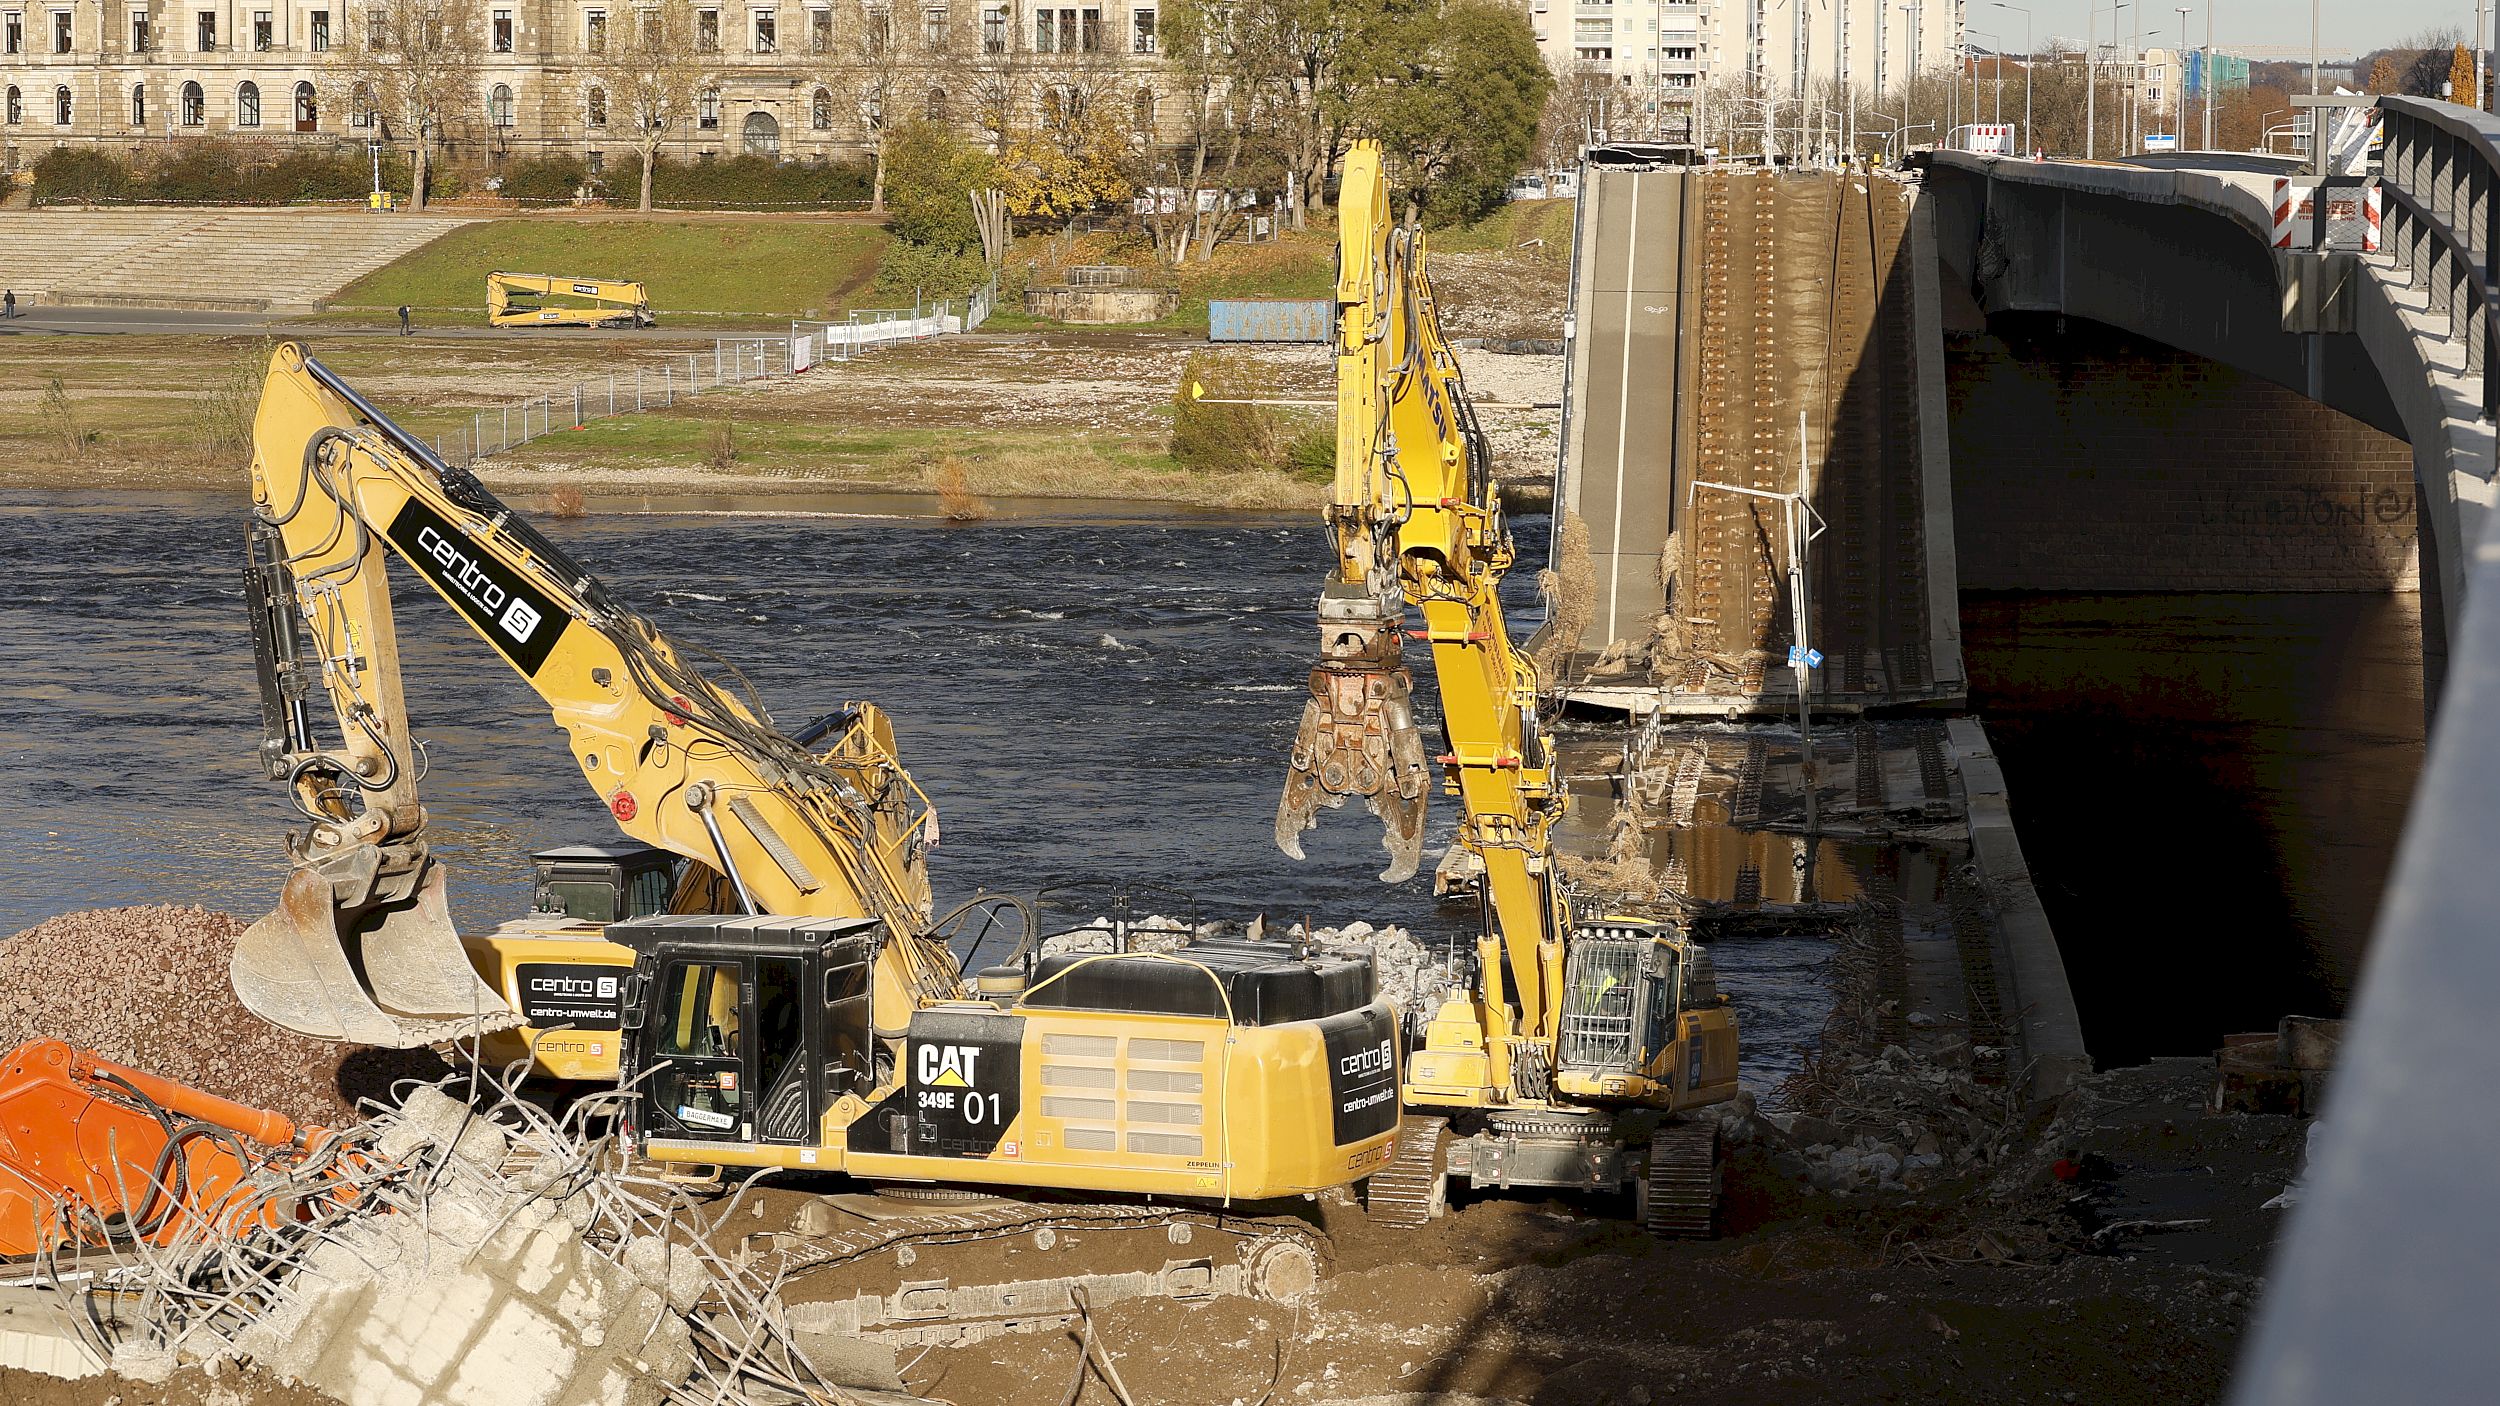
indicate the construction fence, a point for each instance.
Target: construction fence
{"x":732,"y":361}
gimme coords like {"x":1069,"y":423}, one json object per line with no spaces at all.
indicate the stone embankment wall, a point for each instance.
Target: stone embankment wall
{"x":2096,"y":461}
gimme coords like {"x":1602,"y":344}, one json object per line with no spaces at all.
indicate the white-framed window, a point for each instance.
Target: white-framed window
{"x":707,"y":110}
{"x":598,"y":161}
{"x":1067,"y":31}
{"x":307,"y":108}
{"x":767,"y":31}
{"x":206,"y":35}
{"x":594,"y":31}
{"x":595,"y":107}
{"x":13,"y":32}
{"x":934,"y":28}
{"x":1679,"y":53}
{"x":60,"y":107}
{"x":819,"y":31}
{"x":993,"y":29}
{"x":320,"y":31}
{"x":707,"y":31}
{"x":820,"y":110}
{"x":378,"y":29}
{"x":359,"y":106}
{"x":499,"y":107}
{"x":247,"y":105}
{"x":1141,"y":30}
{"x":263,"y":32}
{"x":139,"y":105}
{"x":194,"y":106}
{"x":14,"y":108}
{"x":62,"y":33}
{"x":876,"y":26}
{"x":502,"y":32}
{"x":142,"y":33}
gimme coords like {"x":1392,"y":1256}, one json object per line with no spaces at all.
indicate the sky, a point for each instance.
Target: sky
{"x":2345,"y":27}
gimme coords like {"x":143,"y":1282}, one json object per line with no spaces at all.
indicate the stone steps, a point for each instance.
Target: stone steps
{"x":233,"y":260}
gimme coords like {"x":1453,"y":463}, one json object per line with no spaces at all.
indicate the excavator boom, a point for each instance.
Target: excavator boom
{"x":592,"y":302}
{"x":361,"y":947}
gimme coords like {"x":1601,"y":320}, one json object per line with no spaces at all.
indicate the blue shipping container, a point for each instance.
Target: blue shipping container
{"x":1271,"y":320}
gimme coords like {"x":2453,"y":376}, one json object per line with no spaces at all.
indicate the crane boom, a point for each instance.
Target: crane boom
{"x":680,"y":762}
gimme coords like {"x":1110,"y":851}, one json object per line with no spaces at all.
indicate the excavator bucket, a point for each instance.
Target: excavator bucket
{"x":1358,"y":734}
{"x":345,"y":957}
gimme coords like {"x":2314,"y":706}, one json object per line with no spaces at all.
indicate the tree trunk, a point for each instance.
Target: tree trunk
{"x":417,"y":173}
{"x":876,"y":191}
{"x":650,"y":159}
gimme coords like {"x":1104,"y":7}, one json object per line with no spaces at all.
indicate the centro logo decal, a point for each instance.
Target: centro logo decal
{"x":578,"y":987}
{"x":1366,"y":1063}
{"x":518,"y":619}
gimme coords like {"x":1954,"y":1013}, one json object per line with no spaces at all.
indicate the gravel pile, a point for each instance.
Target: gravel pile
{"x":147,"y":987}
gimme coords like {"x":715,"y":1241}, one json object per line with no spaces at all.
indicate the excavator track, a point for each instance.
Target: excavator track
{"x":912,"y":1272}
{"x":1680,"y":1190}
{"x":1413,"y":1188}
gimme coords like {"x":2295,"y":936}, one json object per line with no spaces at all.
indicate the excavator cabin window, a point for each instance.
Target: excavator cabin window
{"x":706,"y":1015}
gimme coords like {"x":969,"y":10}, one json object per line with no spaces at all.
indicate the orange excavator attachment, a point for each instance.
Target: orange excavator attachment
{"x":93,"y":1153}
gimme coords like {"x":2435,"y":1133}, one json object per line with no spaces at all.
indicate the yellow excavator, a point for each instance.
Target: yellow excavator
{"x":519,"y":300}
{"x":1572,"y":1055}
{"x":762,"y":956}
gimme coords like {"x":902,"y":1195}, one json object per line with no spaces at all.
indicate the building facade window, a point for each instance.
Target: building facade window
{"x":936,"y":109}
{"x":993,"y":29}
{"x":819,"y":31}
{"x":307,"y":108}
{"x":767,"y":32}
{"x":933,"y":28}
{"x":13,"y":32}
{"x":762,"y":134}
{"x":207,"y":37}
{"x":60,"y":107}
{"x":378,"y":30}
{"x":262,"y":31}
{"x":359,"y":106}
{"x":194,"y":106}
{"x":61,"y":33}
{"x":598,"y":162}
{"x":1144,"y":113}
{"x":820,"y":110}
{"x":321,"y":31}
{"x":595,"y":109}
{"x":247,"y":105}
{"x":138,"y":104}
{"x":142,"y":33}
{"x":595,"y":31}
{"x":707,"y":31}
{"x":1141,"y":38}
{"x":876,"y":26}
{"x":16,"y":106}
{"x":707,"y":110}
{"x":502,"y":32}
{"x":1067,"y":31}
{"x":499,"y":106}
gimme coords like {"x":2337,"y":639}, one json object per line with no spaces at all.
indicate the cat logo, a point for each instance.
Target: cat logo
{"x":948,"y":1066}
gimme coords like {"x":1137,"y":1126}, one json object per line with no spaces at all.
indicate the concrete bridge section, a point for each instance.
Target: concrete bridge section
{"x":2275,"y":420}
{"x":2381,"y":1287}
{"x":1739,"y":337}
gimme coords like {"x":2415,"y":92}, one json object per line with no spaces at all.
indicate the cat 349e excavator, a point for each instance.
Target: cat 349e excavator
{"x":763,"y":953}
{"x":1573,"y":1055}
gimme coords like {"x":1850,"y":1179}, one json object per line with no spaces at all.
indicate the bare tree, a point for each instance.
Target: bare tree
{"x":417,"y":62}
{"x":878,"y":65}
{"x":650,"y":78}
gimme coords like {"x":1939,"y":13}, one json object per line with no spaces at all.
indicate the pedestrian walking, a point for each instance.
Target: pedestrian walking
{"x":8,"y":303}
{"x":403,"y":319}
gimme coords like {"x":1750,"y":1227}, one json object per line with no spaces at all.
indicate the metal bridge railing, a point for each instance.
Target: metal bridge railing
{"x":2438,"y":185}
{"x":653,"y":385}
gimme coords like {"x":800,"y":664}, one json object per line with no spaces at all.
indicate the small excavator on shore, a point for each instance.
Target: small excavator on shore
{"x":760,"y":964}
{"x":1575,"y":1053}
{"x":521,"y":300}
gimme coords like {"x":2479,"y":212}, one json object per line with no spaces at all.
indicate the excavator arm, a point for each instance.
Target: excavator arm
{"x":1415,"y":523}
{"x":612,"y":300}
{"x":361,"y":946}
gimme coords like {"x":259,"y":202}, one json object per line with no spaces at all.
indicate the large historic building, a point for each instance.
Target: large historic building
{"x":790,"y":78}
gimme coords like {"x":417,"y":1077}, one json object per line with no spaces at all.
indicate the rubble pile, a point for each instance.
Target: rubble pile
{"x":459,"y":1251}
{"x":147,"y":987}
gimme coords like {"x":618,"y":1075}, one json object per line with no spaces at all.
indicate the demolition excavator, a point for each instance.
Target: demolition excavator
{"x":1574,"y":1053}
{"x":523,"y":300}
{"x":762,"y":954}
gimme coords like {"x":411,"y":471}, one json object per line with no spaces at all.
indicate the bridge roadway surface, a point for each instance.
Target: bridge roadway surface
{"x":1737,"y":334}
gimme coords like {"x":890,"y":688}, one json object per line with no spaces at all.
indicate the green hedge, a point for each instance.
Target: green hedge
{"x":741,"y":182}
{"x":211,"y":172}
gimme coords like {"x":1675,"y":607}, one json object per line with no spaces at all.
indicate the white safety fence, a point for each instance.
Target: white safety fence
{"x":732,"y":361}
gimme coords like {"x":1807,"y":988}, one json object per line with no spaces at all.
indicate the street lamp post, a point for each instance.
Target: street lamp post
{"x":2091,"y":74}
{"x":2184,"y":12}
{"x":2028,"y":148}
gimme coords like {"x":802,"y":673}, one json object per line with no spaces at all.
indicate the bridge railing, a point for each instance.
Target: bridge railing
{"x":2438,"y":184}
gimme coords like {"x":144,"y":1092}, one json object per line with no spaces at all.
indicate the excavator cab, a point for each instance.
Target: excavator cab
{"x":602,"y":883}
{"x":556,"y":966}
{"x":1643,"y":1020}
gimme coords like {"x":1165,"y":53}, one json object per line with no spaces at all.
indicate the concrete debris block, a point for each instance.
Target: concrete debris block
{"x":677,"y":1275}
{"x":852,"y":1362}
{"x":432,"y":1116}
{"x":2309,"y":1043}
